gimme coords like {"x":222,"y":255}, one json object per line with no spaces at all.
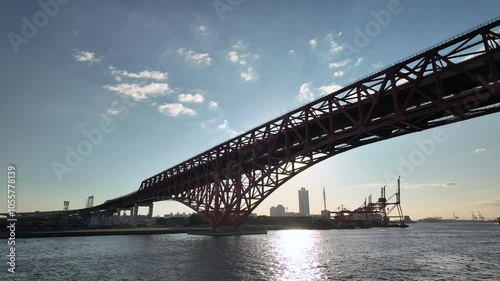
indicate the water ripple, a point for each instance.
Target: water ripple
{"x":453,"y":251}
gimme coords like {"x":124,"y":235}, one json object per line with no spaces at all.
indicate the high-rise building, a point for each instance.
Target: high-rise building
{"x":304,"y":202}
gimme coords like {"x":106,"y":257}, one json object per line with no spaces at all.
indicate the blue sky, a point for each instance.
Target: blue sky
{"x":172,"y":79}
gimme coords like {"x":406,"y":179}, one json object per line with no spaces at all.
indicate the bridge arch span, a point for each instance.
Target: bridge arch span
{"x":454,"y":81}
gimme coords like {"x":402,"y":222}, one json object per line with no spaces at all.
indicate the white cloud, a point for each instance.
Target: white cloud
{"x":249,"y":74}
{"x":212,"y":105}
{"x":313,"y":42}
{"x":238,"y":55}
{"x":305,"y":93}
{"x":339,"y":34}
{"x":291,"y":51}
{"x":225,"y":127}
{"x":430,"y":185}
{"x":478,"y":150}
{"x":241,"y":58}
{"x":85,"y":56}
{"x":175,"y":109}
{"x":338,"y":64}
{"x":118,"y":74}
{"x":338,"y":73}
{"x":139,"y":91}
{"x":201,"y":29}
{"x":334,"y":46}
{"x":113,"y":112}
{"x":113,"y":109}
{"x":412,"y":186}
{"x":344,"y":65}
{"x":234,"y":57}
{"x":196,"y":98}
{"x":196,"y":58}
{"x":328,"y":89}
{"x":240,"y":45}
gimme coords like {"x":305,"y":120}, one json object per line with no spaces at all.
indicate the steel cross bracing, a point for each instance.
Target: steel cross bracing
{"x":454,"y":81}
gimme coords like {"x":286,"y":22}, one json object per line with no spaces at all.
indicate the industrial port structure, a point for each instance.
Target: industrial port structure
{"x":385,"y":212}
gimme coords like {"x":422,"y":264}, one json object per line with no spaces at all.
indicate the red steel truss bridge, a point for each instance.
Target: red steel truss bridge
{"x":450,"y":82}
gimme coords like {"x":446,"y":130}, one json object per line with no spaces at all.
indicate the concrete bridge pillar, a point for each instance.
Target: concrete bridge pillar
{"x":134,"y":214}
{"x":150,"y":214}
{"x":117,"y":219}
{"x":131,"y":215}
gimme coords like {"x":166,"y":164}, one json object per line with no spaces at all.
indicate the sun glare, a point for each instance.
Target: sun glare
{"x":297,"y":254}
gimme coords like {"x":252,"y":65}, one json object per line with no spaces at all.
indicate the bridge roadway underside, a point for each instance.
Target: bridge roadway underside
{"x":456,"y":105}
{"x":239,"y":171}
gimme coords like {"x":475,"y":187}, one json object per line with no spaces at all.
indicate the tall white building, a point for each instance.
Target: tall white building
{"x":304,"y":202}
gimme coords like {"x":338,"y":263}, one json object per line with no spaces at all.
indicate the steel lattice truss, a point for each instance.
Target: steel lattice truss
{"x":453,"y":81}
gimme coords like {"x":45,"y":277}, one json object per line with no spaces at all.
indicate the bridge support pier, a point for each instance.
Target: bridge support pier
{"x":117,"y":220}
{"x":150,"y":214}
{"x":135,"y":213}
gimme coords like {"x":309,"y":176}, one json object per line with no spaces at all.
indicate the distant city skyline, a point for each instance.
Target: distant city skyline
{"x":106,"y":94}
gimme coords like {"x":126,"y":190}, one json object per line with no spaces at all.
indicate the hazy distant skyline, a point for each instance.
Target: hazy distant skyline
{"x":164,"y":81}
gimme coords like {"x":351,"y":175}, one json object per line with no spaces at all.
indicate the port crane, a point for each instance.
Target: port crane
{"x":473,"y":217}
{"x":373,"y":213}
{"x":455,"y":217}
{"x":480,"y":217}
{"x":324,"y":199}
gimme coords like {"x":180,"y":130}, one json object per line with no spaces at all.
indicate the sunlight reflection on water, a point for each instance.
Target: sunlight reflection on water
{"x":296,"y":254}
{"x":455,"y":251}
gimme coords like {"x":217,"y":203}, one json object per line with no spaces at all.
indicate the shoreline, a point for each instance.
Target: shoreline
{"x":164,"y":230}
{"x":106,"y":232}
{"x":139,"y":231}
